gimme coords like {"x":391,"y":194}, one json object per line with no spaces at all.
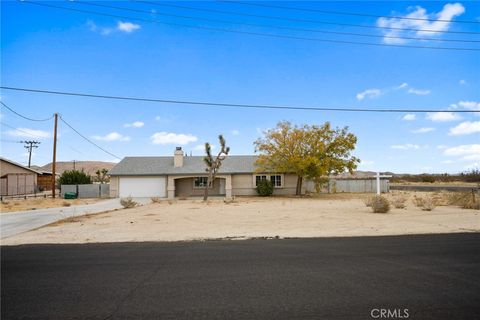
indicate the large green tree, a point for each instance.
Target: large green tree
{"x":74,"y":177}
{"x":309,"y":151}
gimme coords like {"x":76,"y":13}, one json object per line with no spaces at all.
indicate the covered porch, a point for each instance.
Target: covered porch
{"x":194,"y":186}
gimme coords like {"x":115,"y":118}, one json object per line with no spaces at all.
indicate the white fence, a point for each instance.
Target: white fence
{"x":87,"y":190}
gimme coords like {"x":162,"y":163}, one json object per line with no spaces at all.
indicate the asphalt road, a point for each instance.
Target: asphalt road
{"x":432,"y":276}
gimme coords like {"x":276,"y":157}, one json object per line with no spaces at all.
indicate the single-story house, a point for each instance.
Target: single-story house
{"x":184,"y":176}
{"x":16,"y":179}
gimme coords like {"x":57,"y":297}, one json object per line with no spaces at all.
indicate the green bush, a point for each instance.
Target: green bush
{"x":265,"y":188}
{"x":74,"y":177}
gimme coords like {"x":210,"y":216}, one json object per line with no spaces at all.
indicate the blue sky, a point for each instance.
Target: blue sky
{"x":46,"y":48}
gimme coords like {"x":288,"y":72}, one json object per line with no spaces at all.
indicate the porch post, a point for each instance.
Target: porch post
{"x":228,"y":186}
{"x":171,"y":187}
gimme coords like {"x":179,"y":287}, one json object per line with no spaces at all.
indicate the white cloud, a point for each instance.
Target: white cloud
{"x":423,"y":130}
{"x":235,"y":132}
{"x":369,"y":93}
{"x":402,"y":86}
{"x":136,"y":124}
{"x":406,"y":146}
{"x":366,"y":163}
{"x":474,"y":165}
{"x":441,"y":147}
{"x":172,"y":138}
{"x":419,"y":92}
{"x":158,"y":118}
{"x":467,"y":127}
{"x":409,"y":117}
{"x":448,"y":161}
{"x":29,"y":133}
{"x":112,"y":136}
{"x":448,"y":13}
{"x":442,"y":116}
{"x":462,"y":82}
{"x":127,"y":27}
{"x":463,"y":150}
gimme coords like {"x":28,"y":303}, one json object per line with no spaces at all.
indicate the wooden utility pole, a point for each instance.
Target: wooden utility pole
{"x":29,"y":145}
{"x":54,"y":154}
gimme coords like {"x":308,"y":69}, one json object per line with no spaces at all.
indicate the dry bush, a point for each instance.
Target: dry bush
{"x":426,"y":203}
{"x":418,"y":201}
{"x":5,"y":202}
{"x":465,"y":200}
{"x":66,"y":204}
{"x":128,"y":202}
{"x":380,"y":204}
{"x":155,"y":199}
{"x":399,"y":202}
{"x":369,"y":200}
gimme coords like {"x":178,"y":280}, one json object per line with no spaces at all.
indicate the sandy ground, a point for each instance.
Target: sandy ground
{"x":327,"y":216}
{"x":40,"y":203}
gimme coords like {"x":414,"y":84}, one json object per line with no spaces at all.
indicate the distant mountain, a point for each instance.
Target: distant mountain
{"x":89,"y":167}
{"x":363,"y":174}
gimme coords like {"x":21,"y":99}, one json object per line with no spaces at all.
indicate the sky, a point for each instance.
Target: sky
{"x":156,"y":52}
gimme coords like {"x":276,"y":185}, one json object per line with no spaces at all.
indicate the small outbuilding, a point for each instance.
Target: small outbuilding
{"x":16,"y":179}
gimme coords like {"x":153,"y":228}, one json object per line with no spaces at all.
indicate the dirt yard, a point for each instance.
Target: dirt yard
{"x":324,"y":216}
{"x":40,"y":203}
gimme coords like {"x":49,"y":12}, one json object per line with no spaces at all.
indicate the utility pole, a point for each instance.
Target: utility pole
{"x":29,"y":145}
{"x":73,"y":165}
{"x":54,"y":154}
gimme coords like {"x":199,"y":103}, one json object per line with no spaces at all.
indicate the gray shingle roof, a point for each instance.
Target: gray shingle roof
{"x":191,"y":165}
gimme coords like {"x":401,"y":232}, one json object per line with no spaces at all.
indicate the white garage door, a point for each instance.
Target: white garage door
{"x":143,"y":187}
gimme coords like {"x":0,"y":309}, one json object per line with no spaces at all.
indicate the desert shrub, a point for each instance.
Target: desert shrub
{"x":128,"y":202}
{"x":466,"y":200}
{"x":66,"y":204}
{"x":155,"y":199}
{"x":368,"y":201}
{"x":426,"y":203}
{"x":399,"y":202}
{"x":265,"y":188}
{"x":380,"y":204}
{"x":74,"y":177}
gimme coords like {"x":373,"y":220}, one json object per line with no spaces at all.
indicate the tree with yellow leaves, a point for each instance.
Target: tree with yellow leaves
{"x":311,"y":152}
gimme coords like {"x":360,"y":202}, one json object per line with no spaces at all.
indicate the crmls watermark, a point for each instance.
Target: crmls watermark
{"x":384,"y":313}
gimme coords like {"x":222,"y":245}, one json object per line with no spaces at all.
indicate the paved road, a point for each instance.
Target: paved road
{"x":434,"y":277}
{"x":21,"y":221}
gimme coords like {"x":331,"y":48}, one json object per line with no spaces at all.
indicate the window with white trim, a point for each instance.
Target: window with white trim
{"x":200,"y":182}
{"x":276,"y":179}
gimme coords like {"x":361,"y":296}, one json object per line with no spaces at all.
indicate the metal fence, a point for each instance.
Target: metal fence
{"x":87,"y":190}
{"x":358,"y":185}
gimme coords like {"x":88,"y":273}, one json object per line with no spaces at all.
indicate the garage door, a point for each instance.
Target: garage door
{"x":143,"y":187}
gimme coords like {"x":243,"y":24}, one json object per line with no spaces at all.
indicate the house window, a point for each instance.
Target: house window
{"x":259,"y":178}
{"x":200,"y":182}
{"x":276,"y":180}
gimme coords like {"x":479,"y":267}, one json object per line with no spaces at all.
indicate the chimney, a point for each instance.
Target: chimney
{"x":178,"y":158}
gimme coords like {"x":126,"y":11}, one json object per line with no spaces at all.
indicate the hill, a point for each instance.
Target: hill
{"x":89,"y":167}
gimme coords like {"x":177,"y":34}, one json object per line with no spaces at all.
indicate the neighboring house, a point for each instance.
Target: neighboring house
{"x":184,"y":176}
{"x":16,"y":179}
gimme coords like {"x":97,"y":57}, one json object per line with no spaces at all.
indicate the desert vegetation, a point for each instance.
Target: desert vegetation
{"x":128,"y":202}
{"x":472,"y":176}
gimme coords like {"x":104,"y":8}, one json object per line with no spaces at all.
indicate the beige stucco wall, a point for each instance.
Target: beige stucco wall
{"x":244,"y":185}
{"x":6,"y":168}
{"x":184,"y":188}
{"x":114,"y":187}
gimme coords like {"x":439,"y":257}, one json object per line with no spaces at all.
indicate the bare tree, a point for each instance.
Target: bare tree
{"x":213,"y":165}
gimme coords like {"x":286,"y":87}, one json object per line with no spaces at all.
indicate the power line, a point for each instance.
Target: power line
{"x":90,"y":141}
{"x":344,"y":12}
{"x":275,"y":27}
{"x":302,"y":20}
{"x":252,"y":33}
{"x":22,"y":116}
{"x":234,"y":105}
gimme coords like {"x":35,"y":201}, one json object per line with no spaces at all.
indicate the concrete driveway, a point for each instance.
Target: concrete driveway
{"x":21,"y":221}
